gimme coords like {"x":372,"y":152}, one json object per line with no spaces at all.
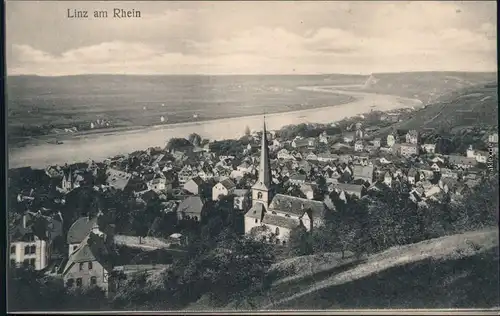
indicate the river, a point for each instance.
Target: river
{"x":100,"y":146}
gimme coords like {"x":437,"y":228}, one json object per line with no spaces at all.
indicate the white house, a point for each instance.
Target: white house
{"x":358,"y":146}
{"x":429,"y":148}
{"x":33,"y":247}
{"x":481,"y":156}
{"x":224,"y":188}
{"x":388,"y":179}
{"x":471,"y":153}
{"x":391,"y":140}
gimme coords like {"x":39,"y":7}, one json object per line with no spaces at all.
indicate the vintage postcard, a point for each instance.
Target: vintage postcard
{"x":244,"y":156}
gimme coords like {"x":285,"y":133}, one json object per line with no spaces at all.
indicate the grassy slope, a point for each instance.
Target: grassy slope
{"x":426,"y":86}
{"x":467,"y":107}
{"x":471,"y":106}
{"x":452,"y":271}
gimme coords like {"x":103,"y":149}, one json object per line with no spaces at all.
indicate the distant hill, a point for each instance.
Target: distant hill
{"x":425,"y":86}
{"x":463,"y":108}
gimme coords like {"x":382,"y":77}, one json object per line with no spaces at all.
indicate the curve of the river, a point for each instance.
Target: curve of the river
{"x":101,"y":146}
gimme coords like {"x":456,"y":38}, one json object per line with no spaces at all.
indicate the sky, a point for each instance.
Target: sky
{"x":251,"y":37}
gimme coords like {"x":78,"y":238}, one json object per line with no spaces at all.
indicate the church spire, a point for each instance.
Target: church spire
{"x":264,"y":180}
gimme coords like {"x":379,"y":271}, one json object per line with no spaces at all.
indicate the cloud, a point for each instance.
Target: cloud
{"x":354,"y":37}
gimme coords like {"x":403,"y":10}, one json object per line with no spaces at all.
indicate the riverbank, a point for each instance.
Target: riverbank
{"x":101,"y":146}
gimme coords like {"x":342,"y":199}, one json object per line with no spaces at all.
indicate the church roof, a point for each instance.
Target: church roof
{"x":297,"y":206}
{"x":280,"y":221}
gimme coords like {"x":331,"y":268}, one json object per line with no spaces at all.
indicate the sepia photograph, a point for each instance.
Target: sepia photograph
{"x":252,"y":156}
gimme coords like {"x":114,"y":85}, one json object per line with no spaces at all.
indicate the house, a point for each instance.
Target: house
{"x":429,"y":148}
{"x":364,"y":173}
{"x":448,"y":173}
{"x":194,"y":185}
{"x":426,"y":173}
{"x":297,"y":179}
{"x":285,"y":155}
{"x":447,"y":184}
{"x":185,"y":174}
{"x":245,"y":168}
{"x":54,"y":172}
{"x":308,"y":190}
{"x":384,"y":161}
{"x":327,"y":157}
{"x":191,"y":208}
{"x":324,"y":138}
{"x":412,"y":176}
{"x":408,"y":149}
{"x":436,"y":167}
{"x":241,"y":199}
{"x":349,"y":137}
{"x":312,"y":157}
{"x":352,"y":189}
{"x":412,"y":137}
{"x":31,"y":241}
{"x":158,"y":184}
{"x":376,"y":142}
{"x":461,"y":162}
{"x":388,"y":179}
{"x":470,"y":153}
{"x":117,"y":179}
{"x":437,"y":159}
{"x":359,"y":133}
{"x":391,"y":140}
{"x":481,"y":156}
{"x":224,"y":187}
{"x":493,"y":138}
{"x":300,"y":143}
{"x":358,"y":146}
{"x":90,"y":264}
{"x":79,"y":231}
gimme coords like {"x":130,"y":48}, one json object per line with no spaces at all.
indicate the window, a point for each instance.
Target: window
{"x":26,"y":262}
{"x":32,"y":262}
{"x":79,"y":282}
{"x":277,"y":241}
{"x":93,"y":280}
{"x":259,"y":195}
{"x":12,"y":262}
{"x":32,"y":249}
{"x":284,"y":242}
{"x":27,"y":250}
{"x":74,"y":247}
{"x":81,"y":267}
{"x":277,"y":231}
{"x":90,"y":265}
{"x":12,"y":249}
{"x":70,"y":282}
{"x":256,"y":220}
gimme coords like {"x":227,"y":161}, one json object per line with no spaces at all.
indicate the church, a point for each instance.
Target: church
{"x":280,"y":213}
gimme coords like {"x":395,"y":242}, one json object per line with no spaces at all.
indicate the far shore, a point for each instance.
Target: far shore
{"x":99,"y":146}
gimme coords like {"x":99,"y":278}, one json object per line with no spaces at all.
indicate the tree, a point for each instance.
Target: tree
{"x":300,"y":242}
{"x":178,"y":143}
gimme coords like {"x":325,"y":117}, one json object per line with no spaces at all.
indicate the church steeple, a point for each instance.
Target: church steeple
{"x":260,"y":190}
